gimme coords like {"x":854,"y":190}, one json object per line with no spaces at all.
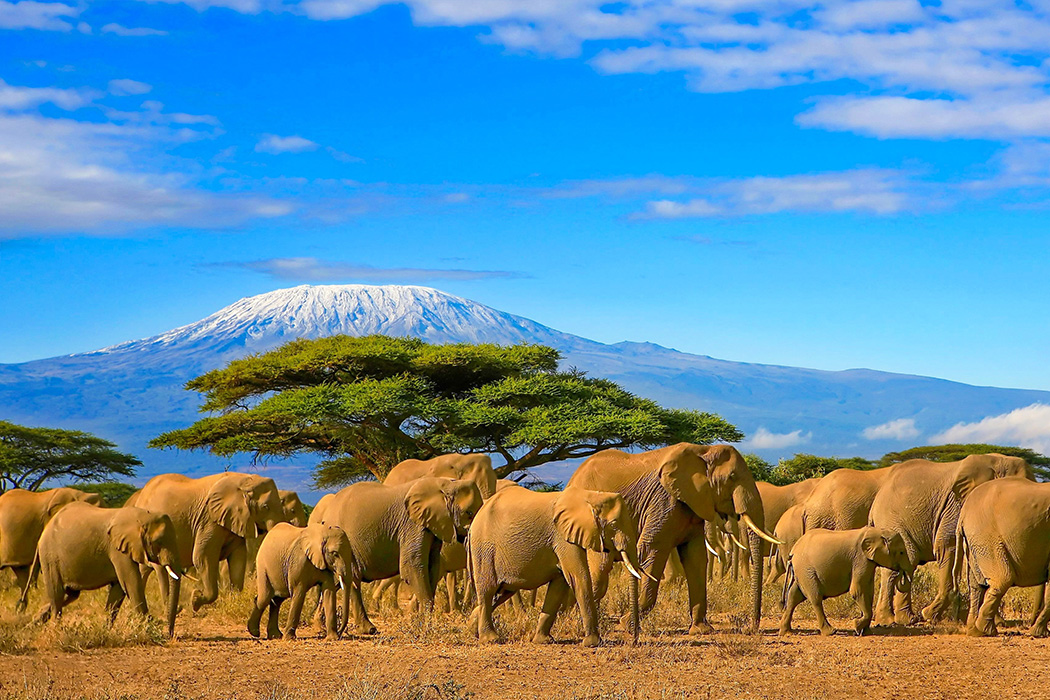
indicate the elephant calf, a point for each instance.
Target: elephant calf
{"x":827,"y":563}
{"x":85,"y":547}
{"x":291,"y":561}
{"x":522,"y":540}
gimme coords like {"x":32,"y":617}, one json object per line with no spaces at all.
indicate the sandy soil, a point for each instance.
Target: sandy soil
{"x":221,"y":661}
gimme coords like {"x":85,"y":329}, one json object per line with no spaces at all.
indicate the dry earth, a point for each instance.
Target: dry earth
{"x":215,"y":658}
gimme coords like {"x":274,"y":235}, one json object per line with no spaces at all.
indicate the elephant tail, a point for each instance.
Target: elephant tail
{"x":34,"y":571}
{"x":961,"y":557}
{"x":789,"y":580}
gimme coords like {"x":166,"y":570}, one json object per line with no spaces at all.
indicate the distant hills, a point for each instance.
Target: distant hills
{"x":133,"y":391}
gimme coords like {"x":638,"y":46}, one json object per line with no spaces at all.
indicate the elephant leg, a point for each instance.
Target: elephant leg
{"x":237,"y":563}
{"x":1040,"y":600}
{"x":945,"y":587}
{"x":21,"y":576}
{"x":601,"y":565}
{"x":328,"y":600}
{"x":1042,"y":615}
{"x":450,"y":589}
{"x":985,"y":623}
{"x":114,"y":597}
{"x":206,"y":562}
{"x":486,"y":628}
{"x":262,"y":601}
{"x":864,"y":595}
{"x":296,"y":611}
{"x":792,"y":599}
{"x":902,"y":604}
{"x":694,"y":561}
{"x":362,"y":624}
{"x":776,"y":568}
{"x":976,"y":601}
{"x":884,"y":609}
{"x":822,"y":619}
{"x":273,"y":620}
{"x":557,"y":590}
{"x":574,"y":566}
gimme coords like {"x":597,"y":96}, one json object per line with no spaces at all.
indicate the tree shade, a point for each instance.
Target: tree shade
{"x":367,"y":403}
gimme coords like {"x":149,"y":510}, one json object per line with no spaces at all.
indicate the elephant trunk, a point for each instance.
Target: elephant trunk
{"x":755,"y":552}
{"x":748,"y":506}
{"x":174,"y":591}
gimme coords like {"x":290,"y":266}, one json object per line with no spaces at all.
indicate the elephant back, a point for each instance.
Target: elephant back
{"x":23,"y":515}
{"x":76,"y":531}
{"x":472,"y":467}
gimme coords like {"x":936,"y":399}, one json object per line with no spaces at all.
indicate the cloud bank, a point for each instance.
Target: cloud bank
{"x":1024,"y":427}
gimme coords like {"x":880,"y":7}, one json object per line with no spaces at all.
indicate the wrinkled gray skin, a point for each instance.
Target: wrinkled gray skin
{"x":522,"y":540}
{"x":399,"y":531}
{"x":828,"y":563}
{"x":922,"y":500}
{"x":1003,"y":540}
{"x":294,"y":560}
{"x":776,"y":500}
{"x":23,"y":515}
{"x":213,"y":517}
{"x":670,"y":493}
{"x":85,"y":547}
{"x":293,"y":508}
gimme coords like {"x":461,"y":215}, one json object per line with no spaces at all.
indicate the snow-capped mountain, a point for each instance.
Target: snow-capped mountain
{"x":133,"y":391}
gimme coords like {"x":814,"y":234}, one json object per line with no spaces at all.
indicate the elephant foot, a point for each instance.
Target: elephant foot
{"x":701,"y":628}
{"x":785,"y":630}
{"x":591,"y":640}
{"x":489,"y":637}
{"x":253,"y":629}
{"x":366,"y":629}
{"x":540,"y":638}
{"x":1038,"y":631}
{"x":827,"y":631}
{"x":932,"y":612}
{"x":332,"y":637}
{"x":289,"y":636}
{"x":983,"y":631}
{"x":907,"y":618}
{"x":885,"y":619}
{"x":861,"y":628}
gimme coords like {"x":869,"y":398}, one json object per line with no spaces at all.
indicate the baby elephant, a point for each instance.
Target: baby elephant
{"x":291,"y":561}
{"x":521,"y":540}
{"x":825,"y":563}
{"x":85,"y":547}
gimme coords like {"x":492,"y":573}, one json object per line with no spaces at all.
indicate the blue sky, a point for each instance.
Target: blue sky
{"x":832,"y":184}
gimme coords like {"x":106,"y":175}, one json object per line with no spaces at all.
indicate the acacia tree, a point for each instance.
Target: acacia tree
{"x":953,"y":453}
{"x":805,"y":466}
{"x":367,"y":403}
{"x":31,"y":457}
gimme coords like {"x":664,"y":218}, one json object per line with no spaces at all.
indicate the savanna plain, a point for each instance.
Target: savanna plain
{"x":418,"y":658}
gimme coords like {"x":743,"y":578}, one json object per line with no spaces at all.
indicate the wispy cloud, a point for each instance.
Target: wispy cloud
{"x":1024,"y":427}
{"x":764,"y":439}
{"x":315,"y":270}
{"x":121,"y":30}
{"x":28,"y":14}
{"x":900,"y":429}
{"x":271,"y":143}
{"x":125,"y":87}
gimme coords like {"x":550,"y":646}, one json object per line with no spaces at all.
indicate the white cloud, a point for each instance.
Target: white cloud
{"x":125,"y":87}
{"x":900,"y":429}
{"x":271,"y":143}
{"x":28,"y":14}
{"x":1023,"y":427}
{"x":314,"y":270}
{"x":763,"y":439}
{"x":18,"y":98}
{"x":121,"y":30}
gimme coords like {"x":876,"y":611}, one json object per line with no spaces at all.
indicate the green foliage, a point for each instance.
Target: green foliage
{"x":114,"y":493}
{"x":806,"y":466}
{"x":760,"y":468}
{"x":953,"y":453}
{"x":31,"y":457}
{"x":368,"y":403}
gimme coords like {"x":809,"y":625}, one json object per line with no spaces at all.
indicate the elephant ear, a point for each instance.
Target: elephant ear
{"x":129,"y":536}
{"x":576,"y":519}
{"x":228,"y":505}
{"x":875,"y":546}
{"x":313,"y":546}
{"x":970,"y":475}
{"x":683,"y":474}
{"x":59,"y":498}
{"x":427,"y":506}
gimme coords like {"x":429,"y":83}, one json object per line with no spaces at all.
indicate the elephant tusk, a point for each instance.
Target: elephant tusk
{"x":342,"y":583}
{"x":191,"y":578}
{"x":746,"y":519}
{"x":712,"y":550}
{"x":736,"y":541}
{"x":171,"y":572}
{"x":634,"y":572}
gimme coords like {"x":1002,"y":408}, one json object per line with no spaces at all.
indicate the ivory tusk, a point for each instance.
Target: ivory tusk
{"x":171,"y":573}
{"x":712,"y":550}
{"x":634,"y":572}
{"x":746,"y":519}
{"x":735,"y":540}
{"x":342,"y":584}
{"x":191,"y":578}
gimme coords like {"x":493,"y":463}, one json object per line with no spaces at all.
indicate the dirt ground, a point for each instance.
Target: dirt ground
{"x":223,"y":662}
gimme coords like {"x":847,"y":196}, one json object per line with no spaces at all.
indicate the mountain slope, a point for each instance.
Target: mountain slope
{"x":133,"y":391}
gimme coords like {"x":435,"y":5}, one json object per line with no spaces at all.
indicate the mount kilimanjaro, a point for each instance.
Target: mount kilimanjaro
{"x":133,"y":391}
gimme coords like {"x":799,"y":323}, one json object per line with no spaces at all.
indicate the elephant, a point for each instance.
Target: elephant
{"x":521,"y":540}
{"x":505,"y":484}
{"x":671,"y":492}
{"x":214,"y":516}
{"x":399,"y":531}
{"x":828,"y":563}
{"x":85,"y":547}
{"x":23,"y":515}
{"x":921,"y":501}
{"x":1003,"y":540}
{"x":294,"y":511}
{"x":842,"y":499}
{"x":775,"y":502}
{"x":788,"y":530}
{"x":472,"y":467}
{"x":293,"y":560}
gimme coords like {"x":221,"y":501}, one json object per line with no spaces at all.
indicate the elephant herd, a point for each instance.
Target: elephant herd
{"x":983,"y":520}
